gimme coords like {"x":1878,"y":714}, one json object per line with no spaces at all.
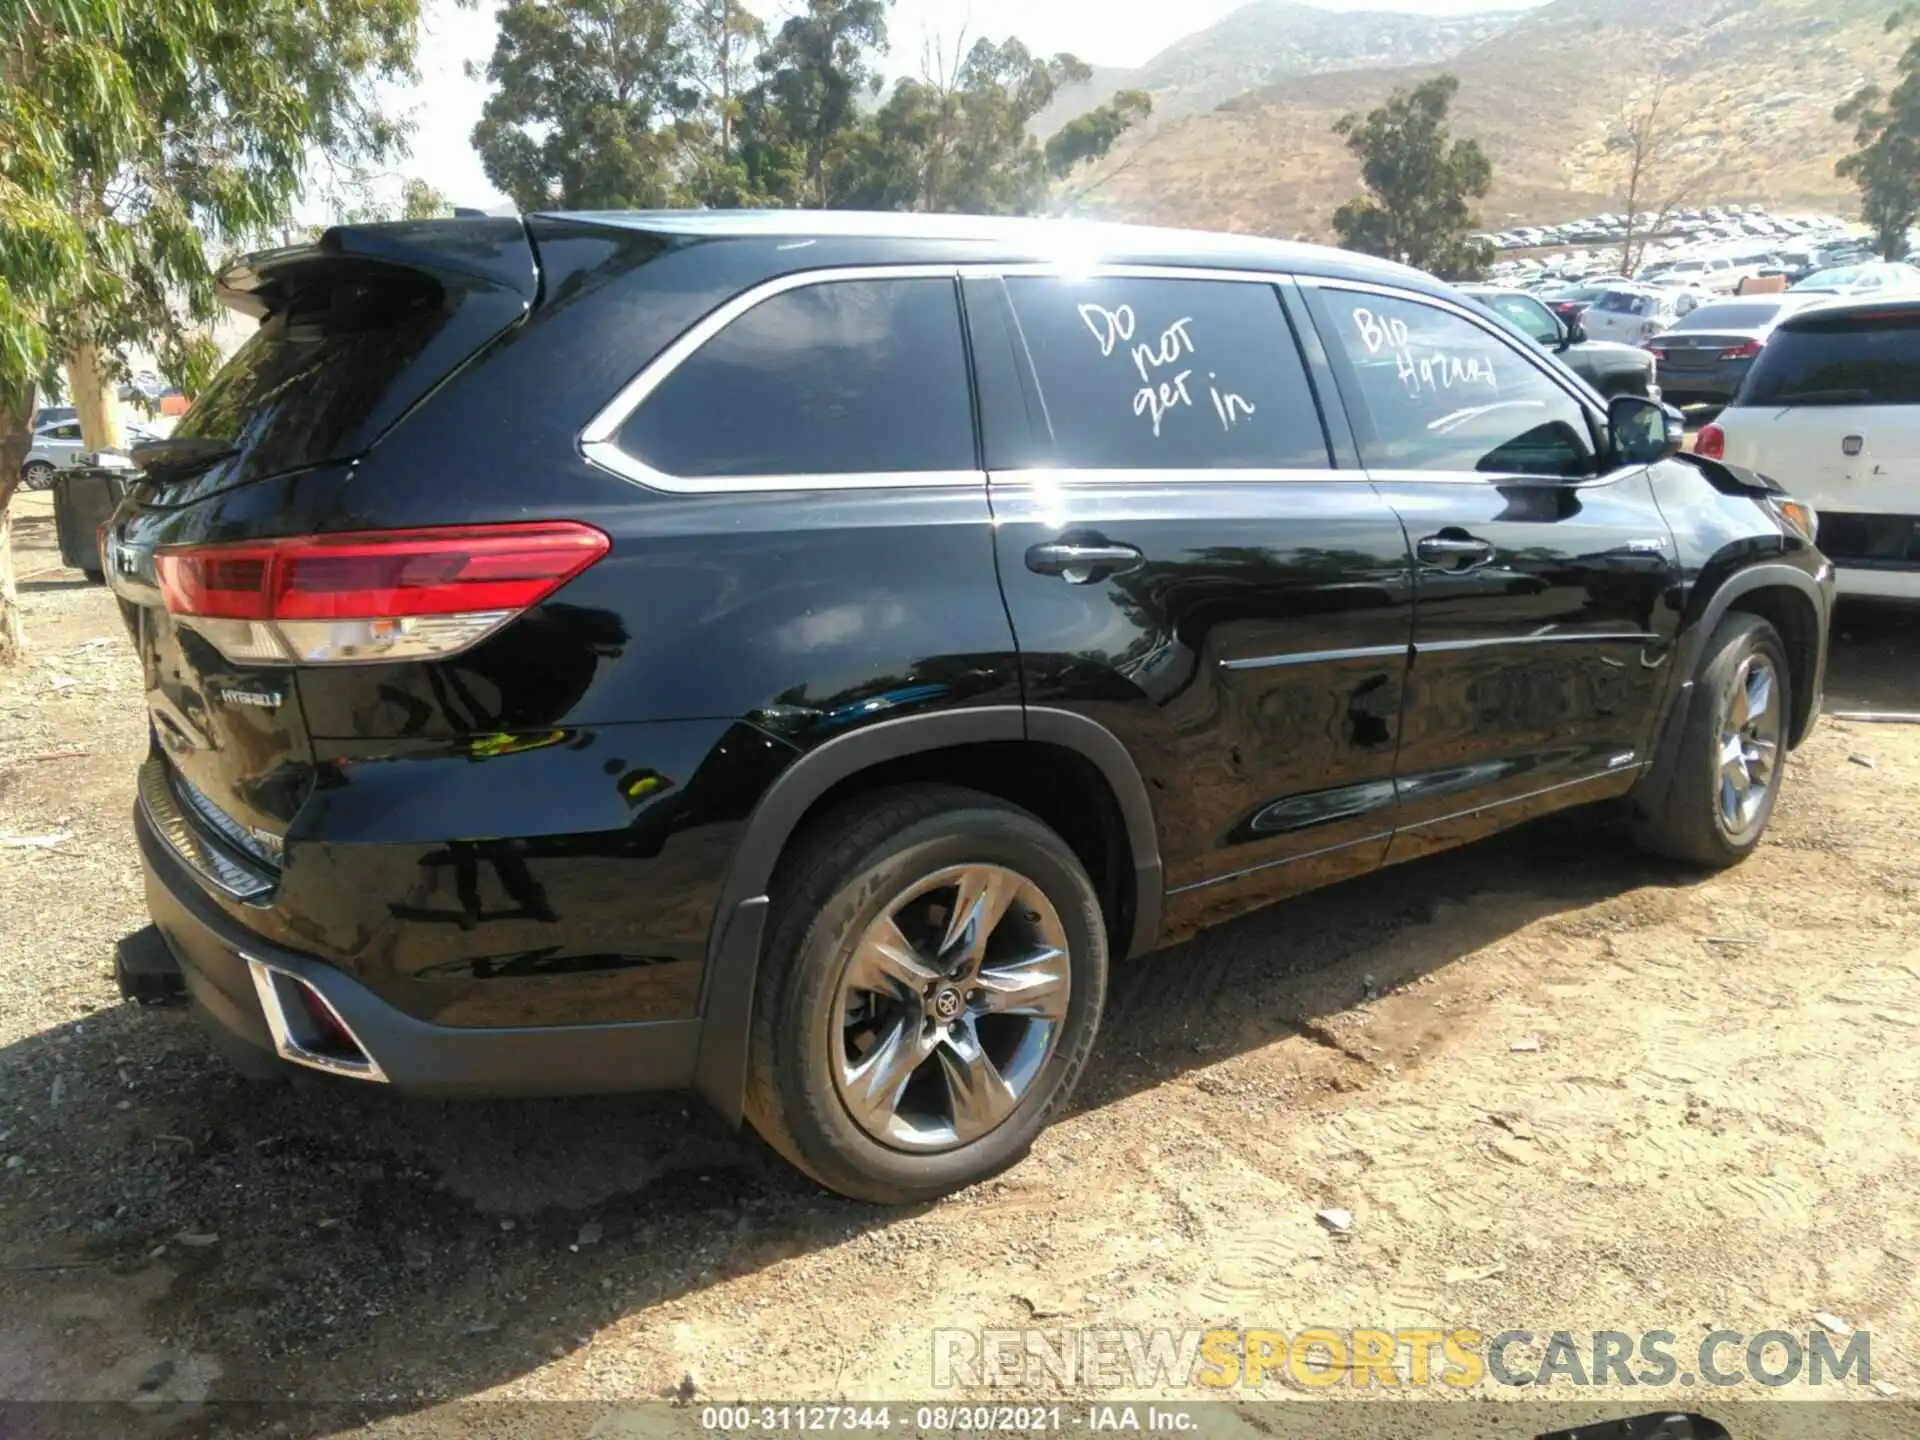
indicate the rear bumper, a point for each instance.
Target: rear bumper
{"x":1699,"y":389}
{"x":414,"y":1056}
{"x":1878,"y":582}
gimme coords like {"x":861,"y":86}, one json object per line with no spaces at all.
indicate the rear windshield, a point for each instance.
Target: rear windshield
{"x":299,"y":391}
{"x":1868,"y":357}
{"x":1729,"y":317}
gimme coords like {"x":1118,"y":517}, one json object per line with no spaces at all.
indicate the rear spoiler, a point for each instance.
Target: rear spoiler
{"x":491,"y":251}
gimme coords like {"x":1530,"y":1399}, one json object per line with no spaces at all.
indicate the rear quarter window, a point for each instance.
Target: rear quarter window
{"x":1861,"y":358}
{"x":838,"y":377}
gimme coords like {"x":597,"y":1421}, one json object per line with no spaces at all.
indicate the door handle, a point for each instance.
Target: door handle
{"x":1082,"y":563}
{"x":1454,"y":552}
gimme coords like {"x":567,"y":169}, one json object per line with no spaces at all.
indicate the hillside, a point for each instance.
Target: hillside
{"x":1755,"y":85}
{"x":1266,"y":42}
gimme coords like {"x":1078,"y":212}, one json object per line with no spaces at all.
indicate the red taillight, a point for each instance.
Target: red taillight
{"x":379,"y":573}
{"x":371,"y":595}
{"x":1711,"y":442}
{"x":1748,"y":351}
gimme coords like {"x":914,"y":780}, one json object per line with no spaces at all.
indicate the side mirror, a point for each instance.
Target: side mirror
{"x":1576,"y":332}
{"x":1643,"y":431}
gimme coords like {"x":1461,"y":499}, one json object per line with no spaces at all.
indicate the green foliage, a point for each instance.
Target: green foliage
{"x":132,"y":135}
{"x":1420,"y":181}
{"x":620,"y":104}
{"x":1093,"y":134}
{"x":586,"y":91}
{"x":814,"y":71}
{"x":960,"y":144}
{"x":420,"y":201}
{"x":1885,"y":163}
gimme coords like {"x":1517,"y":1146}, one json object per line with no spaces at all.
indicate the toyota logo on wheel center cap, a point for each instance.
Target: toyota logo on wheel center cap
{"x":946,"y":1002}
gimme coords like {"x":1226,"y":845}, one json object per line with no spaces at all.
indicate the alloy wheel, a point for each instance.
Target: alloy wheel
{"x":1749,"y":743}
{"x":949,"y":1007}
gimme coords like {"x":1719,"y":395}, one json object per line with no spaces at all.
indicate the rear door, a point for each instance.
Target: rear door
{"x":1184,"y":563}
{"x":345,"y":347}
{"x":61,"y":444}
{"x":1543,"y":630}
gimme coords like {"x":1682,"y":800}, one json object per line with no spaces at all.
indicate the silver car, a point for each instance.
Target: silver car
{"x":55,"y":447}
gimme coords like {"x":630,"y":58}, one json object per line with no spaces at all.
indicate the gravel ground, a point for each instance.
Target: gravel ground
{"x":1554,"y":1085}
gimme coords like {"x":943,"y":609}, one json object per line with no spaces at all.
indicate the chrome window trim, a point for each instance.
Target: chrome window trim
{"x":598,"y":447}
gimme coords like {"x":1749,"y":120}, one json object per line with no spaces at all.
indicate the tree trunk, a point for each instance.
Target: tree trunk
{"x":99,"y":414}
{"x":16,"y":436}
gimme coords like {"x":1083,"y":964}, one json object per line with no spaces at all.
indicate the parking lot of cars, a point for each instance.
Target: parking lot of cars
{"x":1689,"y":264}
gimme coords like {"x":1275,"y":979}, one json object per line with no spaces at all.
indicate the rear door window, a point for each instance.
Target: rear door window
{"x":840,"y":377}
{"x":1430,"y":390}
{"x":319,"y":380}
{"x":1862,"y":357}
{"x":1150,"y":374}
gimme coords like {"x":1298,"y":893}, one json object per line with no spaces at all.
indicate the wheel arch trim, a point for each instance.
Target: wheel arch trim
{"x":733,"y":949}
{"x":1772,"y":575}
{"x":1693,"y":639}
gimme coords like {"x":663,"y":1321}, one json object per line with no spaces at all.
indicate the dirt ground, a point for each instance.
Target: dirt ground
{"x":1557,"y":1086}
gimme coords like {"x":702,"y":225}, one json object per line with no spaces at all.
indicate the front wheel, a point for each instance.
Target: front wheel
{"x":934,"y":971}
{"x":37,"y":476}
{"x":1733,"y":750}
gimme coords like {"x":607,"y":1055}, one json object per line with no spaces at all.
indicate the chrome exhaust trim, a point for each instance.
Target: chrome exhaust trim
{"x":294,"y":1038}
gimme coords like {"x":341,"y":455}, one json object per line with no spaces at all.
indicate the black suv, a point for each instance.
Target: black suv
{"x":792,"y":656}
{"x":1611,"y":368}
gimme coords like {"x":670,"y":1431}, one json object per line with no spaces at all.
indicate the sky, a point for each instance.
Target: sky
{"x":445,"y":104}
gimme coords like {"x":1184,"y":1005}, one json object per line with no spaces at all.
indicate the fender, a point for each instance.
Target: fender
{"x":733,"y":953}
{"x":1693,"y":639}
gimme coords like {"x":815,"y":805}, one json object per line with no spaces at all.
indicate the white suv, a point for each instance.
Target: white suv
{"x":1831,"y":410}
{"x":56,"y":445}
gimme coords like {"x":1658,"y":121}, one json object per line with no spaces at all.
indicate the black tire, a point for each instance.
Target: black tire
{"x":1689,"y":822}
{"x":37,"y":476}
{"x":844,"y":875}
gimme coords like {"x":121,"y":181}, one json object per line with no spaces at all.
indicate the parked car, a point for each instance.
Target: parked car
{"x":1832,"y":407}
{"x":1570,"y":302}
{"x":55,"y":446}
{"x":1634,"y":314}
{"x":53,"y":415}
{"x":1878,"y":277}
{"x":1705,"y":357}
{"x":1707,"y":272}
{"x":1835,"y":254}
{"x":1611,"y":369}
{"x":820,"y":646}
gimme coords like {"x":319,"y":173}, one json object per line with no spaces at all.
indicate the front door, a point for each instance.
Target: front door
{"x":1543,"y":631}
{"x":1183,"y":564}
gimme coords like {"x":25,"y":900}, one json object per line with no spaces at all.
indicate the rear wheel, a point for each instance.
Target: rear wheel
{"x":935,"y":967}
{"x":37,"y":476}
{"x":1733,"y":750}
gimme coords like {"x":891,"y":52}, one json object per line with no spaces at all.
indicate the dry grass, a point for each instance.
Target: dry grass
{"x":1757,"y":86}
